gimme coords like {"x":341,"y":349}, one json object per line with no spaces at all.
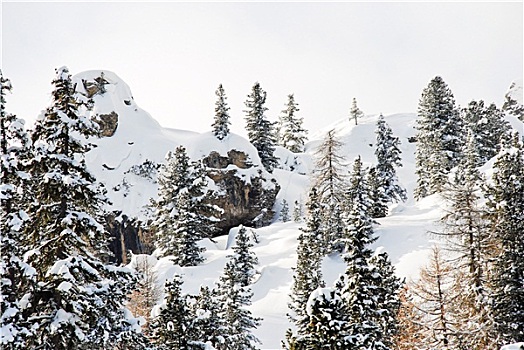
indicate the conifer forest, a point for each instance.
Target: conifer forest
{"x":378,"y":232}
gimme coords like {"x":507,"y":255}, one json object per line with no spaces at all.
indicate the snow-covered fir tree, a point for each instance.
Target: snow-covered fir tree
{"x":173,"y":178}
{"x":170,"y":328}
{"x":297,"y":211}
{"x":387,"y":293}
{"x":358,"y":285}
{"x":330,"y":181}
{"x":221,"y":124}
{"x":357,"y":190}
{"x":79,"y":300}
{"x":17,"y":275}
{"x":234,"y":295}
{"x":260,"y":130}
{"x":307,"y":273}
{"x":292,"y":135}
{"x":506,"y":215}
{"x":325,"y":329}
{"x":488,"y":126}
{"x":355,"y":113}
{"x":440,"y":137}
{"x":387,"y":152}
{"x":243,"y":257}
{"x":284,"y":211}
{"x":359,"y":311}
{"x":376,"y":194}
{"x":206,"y":324}
{"x":185,"y":232}
{"x":180,"y":219}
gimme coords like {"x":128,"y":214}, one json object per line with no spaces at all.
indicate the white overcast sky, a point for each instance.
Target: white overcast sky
{"x":174,"y":55}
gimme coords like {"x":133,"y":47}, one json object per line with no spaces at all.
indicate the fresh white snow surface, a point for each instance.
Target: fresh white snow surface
{"x":516,"y":346}
{"x":403,"y":233}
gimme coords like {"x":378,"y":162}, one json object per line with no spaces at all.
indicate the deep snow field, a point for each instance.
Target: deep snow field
{"x":403,"y":233}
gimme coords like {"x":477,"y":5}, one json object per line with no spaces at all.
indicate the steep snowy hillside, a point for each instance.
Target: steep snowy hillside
{"x":139,"y":138}
{"x":403,"y":234}
{"x":127,"y":161}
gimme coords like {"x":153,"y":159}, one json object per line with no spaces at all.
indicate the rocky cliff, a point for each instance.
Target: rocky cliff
{"x":245,"y":197}
{"x":132,"y":145}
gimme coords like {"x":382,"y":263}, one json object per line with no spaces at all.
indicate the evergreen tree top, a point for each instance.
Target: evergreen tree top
{"x":221,"y":124}
{"x":437,"y":98}
{"x":243,"y":258}
{"x":291,"y":133}
{"x":255,"y":102}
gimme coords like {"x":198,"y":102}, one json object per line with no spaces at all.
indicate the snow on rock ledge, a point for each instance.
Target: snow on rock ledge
{"x":133,"y":145}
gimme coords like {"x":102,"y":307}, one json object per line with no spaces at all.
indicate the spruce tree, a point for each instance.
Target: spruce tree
{"x":173,"y":178}
{"x":78,"y":301}
{"x":439,"y":137}
{"x":357,"y":285}
{"x":221,"y":124}
{"x":376,"y":194}
{"x":260,"y":131}
{"x":488,"y":126}
{"x":297,"y":211}
{"x":234,"y":294}
{"x":243,"y":257}
{"x":185,"y":236}
{"x":388,"y":287}
{"x":180,"y":217}
{"x":207,"y":324}
{"x":327,"y":322}
{"x":17,"y":276}
{"x":355,"y":113}
{"x":387,"y":152}
{"x":357,"y":193}
{"x":291,"y":133}
{"x":169,"y":329}
{"x":506,"y":215}
{"x":307,"y":273}
{"x":284,"y":211}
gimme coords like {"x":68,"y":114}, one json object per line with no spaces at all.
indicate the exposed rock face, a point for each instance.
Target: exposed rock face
{"x":107,"y":124}
{"x":128,"y":235}
{"x":237,"y":158}
{"x":247,"y":197}
{"x":95,"y":87}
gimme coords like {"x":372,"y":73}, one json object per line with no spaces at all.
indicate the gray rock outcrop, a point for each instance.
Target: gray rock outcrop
{"x":246,"y":197}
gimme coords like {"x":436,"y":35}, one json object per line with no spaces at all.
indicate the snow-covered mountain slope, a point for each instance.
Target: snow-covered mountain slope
{"x":127,"y":161}
{"x":138,"y":138}
{"x":403,"y":234}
